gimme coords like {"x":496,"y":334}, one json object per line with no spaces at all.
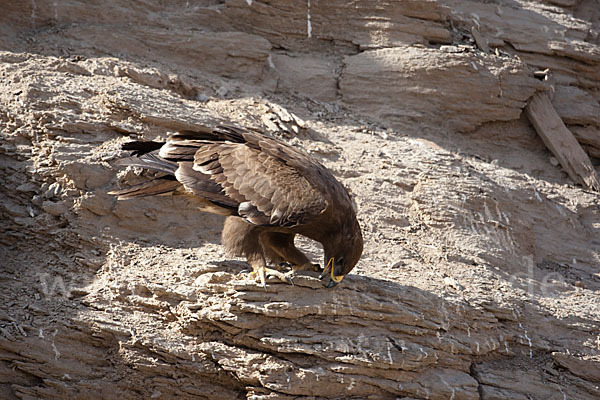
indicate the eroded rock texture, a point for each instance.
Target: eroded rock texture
{"x":480,"y":274}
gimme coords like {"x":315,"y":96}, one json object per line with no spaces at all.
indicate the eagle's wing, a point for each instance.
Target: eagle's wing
{"x":268,"y":181}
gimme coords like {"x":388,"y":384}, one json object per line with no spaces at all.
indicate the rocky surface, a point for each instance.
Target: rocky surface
{"x":480,"y":274}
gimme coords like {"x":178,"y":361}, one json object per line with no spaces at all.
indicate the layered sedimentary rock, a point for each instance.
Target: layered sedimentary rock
{"x":479,"y":278}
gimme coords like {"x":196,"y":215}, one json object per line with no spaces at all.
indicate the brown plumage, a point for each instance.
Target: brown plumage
{"x":270,"y":191}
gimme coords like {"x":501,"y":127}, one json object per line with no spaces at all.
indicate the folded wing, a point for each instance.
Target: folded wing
{"x":265,"y":181}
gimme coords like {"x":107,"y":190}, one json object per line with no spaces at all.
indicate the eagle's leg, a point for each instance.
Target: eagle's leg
{"x":260,"y":269}
{"x":243,"y":239}
{"x":281,"y":246}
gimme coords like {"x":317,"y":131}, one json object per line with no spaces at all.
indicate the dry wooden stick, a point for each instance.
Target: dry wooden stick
{"x":561,"y":142}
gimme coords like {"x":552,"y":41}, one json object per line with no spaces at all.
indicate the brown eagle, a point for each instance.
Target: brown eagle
{"x":269,"y":190}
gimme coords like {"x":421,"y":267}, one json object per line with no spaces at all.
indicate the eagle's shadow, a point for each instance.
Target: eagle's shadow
{"x":163,"y":220}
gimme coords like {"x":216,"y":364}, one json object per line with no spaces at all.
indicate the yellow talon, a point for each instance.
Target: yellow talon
{"x":261,"y":275}
{"x":264,"y":272}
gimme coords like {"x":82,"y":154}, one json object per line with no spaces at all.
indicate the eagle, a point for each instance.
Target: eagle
{"x":269,"y":190}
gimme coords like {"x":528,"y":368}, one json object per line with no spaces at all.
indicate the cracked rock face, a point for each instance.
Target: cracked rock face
{"x":479,"y":278}
{"x":456,"y":82}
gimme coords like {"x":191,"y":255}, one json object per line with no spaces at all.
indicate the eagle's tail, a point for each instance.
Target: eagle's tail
{"x":150,"y":161}
{"x":162,"y":185}
{"x":140,"y":147}
{"x":145,"y":155}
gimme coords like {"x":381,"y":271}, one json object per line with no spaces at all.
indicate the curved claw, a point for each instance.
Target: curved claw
{"x":290,"y":277}
{"x":264,"y":273}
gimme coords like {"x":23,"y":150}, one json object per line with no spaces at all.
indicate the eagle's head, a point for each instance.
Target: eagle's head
{"x":343,"y":254}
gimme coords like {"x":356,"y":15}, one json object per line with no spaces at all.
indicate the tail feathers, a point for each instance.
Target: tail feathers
{"x":200,"y":133}
{"x":221,"y":133}
{"x":154,"y":187}
{"x":140,"y":147}
{"x":150,"y":161}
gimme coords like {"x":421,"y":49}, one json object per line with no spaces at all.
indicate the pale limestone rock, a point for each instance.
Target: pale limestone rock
{"x":313,"y":77}
{"x":127,"y":300}
{"x":457,"y":90}
{"x":363,"y":24}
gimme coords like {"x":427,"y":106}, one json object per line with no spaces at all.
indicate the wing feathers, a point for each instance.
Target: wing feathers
{"x":150,"y":161}
{"x":152,"y":188}
{"x":201,"y":185}
{"x":267,"y":181}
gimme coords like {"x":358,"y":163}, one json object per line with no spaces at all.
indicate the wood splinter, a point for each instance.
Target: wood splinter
{"x":561,"y":142}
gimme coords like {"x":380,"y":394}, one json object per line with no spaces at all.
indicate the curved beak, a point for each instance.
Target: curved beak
{"x":331,"y":283}
{"x":333,"y":279}
{"x":328,"y":268}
